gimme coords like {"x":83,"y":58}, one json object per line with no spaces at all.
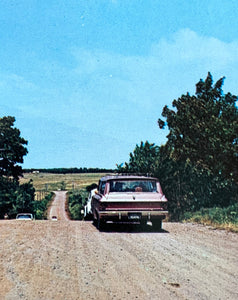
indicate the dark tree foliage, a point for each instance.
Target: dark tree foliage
{"x":188,"y":189}
{"x":91,"y":187}
{"x":14,"y":198}
{"x":75,"y":204}
{"x":24,"y":200}
{"x":12,"y":148}
{"x":40,"y":207}
{"x":204,"y":129}
{"x":142,"y":160}
{"x":70,"y":170}
{"x":199,"y":163}
{"x":8,"y":190}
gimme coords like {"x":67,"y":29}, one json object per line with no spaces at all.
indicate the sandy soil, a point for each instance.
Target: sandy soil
{"x":73,"y":260}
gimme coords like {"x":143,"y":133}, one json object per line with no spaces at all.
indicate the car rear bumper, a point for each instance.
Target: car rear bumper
{"x":132,"y":216}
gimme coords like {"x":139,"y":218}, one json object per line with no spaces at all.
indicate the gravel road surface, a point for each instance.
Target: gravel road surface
{"x":58,"y":206}
{"x":73,"y":260}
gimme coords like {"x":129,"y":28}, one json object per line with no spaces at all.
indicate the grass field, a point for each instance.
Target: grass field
{"x":51,"y":182}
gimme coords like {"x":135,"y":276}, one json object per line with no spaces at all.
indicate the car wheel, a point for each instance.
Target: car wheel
{"x":143,"y":224}
{"x":157,"y":224}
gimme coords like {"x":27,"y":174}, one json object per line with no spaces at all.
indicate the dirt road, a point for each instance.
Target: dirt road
{"x":58,"y":207}
{"x":73,"y":260}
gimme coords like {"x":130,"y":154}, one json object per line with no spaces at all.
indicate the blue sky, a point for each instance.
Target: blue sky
{"x":87,"y":80}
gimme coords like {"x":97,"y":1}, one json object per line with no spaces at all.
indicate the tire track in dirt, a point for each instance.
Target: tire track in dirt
{"x":111,"y":270}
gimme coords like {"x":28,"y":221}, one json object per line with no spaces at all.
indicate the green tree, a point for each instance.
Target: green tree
{"x":8,"y":190}
{"x":25,"y":197}
{"x":203,"y":129}
{"x":198,"y":165}
{"x":75,"y":204}
{"x":12,"y":148}
{"x":142,"y":160}
{"x":13,"y":197}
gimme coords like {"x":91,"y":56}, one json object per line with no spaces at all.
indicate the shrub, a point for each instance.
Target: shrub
{"x":40,"y":207}
{"x":216,"y":216}
{"x":75,"y":205}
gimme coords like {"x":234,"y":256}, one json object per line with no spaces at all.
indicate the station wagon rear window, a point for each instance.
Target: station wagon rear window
{"x":133,"y":186}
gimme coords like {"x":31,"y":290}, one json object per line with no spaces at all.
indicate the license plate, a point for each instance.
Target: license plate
{"x":134,"y":216}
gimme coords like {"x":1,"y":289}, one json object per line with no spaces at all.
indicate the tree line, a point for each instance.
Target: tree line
{"x":198,"y":164}
{"x":68,"y":170}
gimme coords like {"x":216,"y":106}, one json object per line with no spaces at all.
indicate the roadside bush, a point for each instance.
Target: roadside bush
{"x":63,"y":186}
{"x":77,"y":200}
{"x":40,"y":207}
{"x":15,"y":198}
{"x":75,"y":205}
{"x":217,"y":216}
{"x":188,"y":189}
{"x":7,"y":196}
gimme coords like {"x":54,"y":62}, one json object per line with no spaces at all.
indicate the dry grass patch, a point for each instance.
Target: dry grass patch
{"x":50,"y":181}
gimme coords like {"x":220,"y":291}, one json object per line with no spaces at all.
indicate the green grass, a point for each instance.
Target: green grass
{"x":220,"y":218}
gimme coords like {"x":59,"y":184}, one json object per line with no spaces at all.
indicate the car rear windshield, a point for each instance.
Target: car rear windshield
{"x":24,"y":217}
{"x":133,"y":186}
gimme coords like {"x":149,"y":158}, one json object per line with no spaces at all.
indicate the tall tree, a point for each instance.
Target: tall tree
{"x":12,"y":148}
{"x":203,"y":129}
{"x":199,"y":163}
{"x":13,"y":197}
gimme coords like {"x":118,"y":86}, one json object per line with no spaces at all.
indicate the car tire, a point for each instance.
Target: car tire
{"x":157,"y":224}
{"x":143,"y":224}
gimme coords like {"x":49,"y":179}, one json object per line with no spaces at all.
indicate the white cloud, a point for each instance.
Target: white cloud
{"x":104,"y":81}
{"x":169,"y":69}
{"x":126,"y":90}
{"x":187,"y":46}
{"x":122,"y":96}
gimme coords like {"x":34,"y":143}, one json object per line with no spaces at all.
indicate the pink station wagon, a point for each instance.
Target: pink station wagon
{"x":128,"y":199}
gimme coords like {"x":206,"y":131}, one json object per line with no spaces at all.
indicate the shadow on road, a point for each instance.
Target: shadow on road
{"x":130,"y":228}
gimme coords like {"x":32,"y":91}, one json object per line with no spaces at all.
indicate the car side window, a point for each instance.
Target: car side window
{"x":102,"y":185}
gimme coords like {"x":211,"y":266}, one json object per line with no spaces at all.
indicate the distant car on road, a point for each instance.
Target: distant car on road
{"x":54,"y":218}
{"x":24,"y":217}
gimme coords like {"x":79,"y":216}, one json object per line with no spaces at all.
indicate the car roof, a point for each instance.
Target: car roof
{"x":23,"y":214}
{"x":126,"y":177}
